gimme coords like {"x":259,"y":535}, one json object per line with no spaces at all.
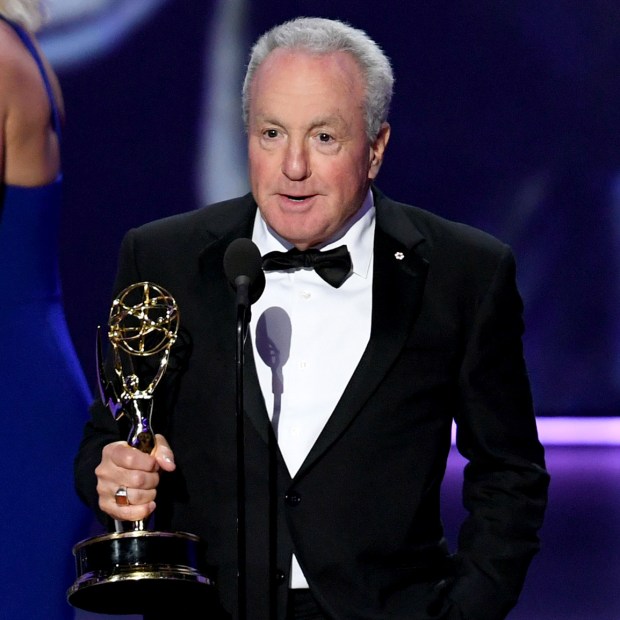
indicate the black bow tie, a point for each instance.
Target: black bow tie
{"x":332,"y":265}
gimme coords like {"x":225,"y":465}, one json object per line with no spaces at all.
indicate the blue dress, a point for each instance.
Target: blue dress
{"x":44,"y":400}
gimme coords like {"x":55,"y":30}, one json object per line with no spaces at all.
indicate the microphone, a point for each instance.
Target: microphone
{"x":243,"y":268}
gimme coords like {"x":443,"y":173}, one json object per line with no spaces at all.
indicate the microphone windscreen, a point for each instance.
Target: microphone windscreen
{"x":243,"y":258}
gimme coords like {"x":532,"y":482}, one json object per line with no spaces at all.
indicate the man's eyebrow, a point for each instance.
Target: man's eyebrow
{"x":265,"y":118}
{"x":329,"y":121}
{"x":320,"y":121}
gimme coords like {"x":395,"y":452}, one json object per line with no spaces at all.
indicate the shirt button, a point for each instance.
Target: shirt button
{"x":292,"y":498}
{"x":305,"y":295}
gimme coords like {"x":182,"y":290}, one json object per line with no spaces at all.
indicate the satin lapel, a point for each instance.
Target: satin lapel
{"x":398,"y":284}
{"x":236,"y":221}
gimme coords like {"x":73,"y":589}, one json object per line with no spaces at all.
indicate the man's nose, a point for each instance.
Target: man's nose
{"x":296,"y":162}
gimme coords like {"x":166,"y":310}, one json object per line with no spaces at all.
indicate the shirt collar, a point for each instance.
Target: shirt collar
{"x":357,"y":234}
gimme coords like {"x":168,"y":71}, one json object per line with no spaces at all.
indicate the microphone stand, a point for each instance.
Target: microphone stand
{"x":243,"y":320}
{"x":243,"y":267}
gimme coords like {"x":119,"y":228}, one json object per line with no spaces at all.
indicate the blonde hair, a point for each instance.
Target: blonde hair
{"x":31,"y":14}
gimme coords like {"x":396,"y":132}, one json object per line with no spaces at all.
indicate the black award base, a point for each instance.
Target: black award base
{"x":139,"y":572}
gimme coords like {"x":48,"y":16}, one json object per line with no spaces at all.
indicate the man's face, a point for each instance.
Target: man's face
{"x":310,"y":160}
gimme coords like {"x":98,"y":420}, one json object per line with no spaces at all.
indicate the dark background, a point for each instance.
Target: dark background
{"x":506,"y":115}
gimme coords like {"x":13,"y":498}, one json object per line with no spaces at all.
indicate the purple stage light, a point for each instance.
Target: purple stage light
{"x":574,"y":431}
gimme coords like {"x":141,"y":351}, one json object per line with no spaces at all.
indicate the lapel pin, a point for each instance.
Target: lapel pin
{"x":399,"y":256}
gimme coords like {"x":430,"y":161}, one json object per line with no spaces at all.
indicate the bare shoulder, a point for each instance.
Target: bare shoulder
{"x":22,"y":86}
{"x":28,"y":142}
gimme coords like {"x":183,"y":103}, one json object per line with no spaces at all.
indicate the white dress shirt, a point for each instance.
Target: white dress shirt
{"x":308,"y":338}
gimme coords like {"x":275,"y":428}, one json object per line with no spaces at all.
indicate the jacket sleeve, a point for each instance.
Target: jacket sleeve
{"x":505,"y":480}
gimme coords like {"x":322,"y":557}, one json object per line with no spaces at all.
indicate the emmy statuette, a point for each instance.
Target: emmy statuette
{"x":134,"y":570}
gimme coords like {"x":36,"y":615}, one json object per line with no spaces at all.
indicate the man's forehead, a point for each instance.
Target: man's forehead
{"x":282,"y":58}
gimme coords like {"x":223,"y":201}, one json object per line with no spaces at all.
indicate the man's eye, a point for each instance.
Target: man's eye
{"x":271,"y":133}
{"x":324,"y":137}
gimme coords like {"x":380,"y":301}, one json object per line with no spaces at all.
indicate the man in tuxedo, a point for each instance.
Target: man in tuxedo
{"x":356,"y":365}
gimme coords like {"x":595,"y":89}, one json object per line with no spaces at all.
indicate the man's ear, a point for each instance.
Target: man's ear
{"x":377,"y":150}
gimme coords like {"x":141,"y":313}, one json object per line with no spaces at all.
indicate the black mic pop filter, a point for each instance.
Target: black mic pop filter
{"x":243,"y":268}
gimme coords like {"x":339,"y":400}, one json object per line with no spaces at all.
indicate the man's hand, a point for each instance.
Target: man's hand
{"x":124,"y":467}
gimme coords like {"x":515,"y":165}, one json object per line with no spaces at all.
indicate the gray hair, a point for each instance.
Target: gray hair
{"x":31,"y":14}
{"x":323,"y":36}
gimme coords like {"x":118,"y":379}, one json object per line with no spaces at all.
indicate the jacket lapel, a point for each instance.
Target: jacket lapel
{"x":227,"y":222}
{"x":398,"y":284}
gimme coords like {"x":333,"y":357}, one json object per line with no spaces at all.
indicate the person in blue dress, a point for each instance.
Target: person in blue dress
{"x":43,"y":390}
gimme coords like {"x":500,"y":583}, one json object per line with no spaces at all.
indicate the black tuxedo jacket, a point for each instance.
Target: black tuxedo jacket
{"x":362,"y":515}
